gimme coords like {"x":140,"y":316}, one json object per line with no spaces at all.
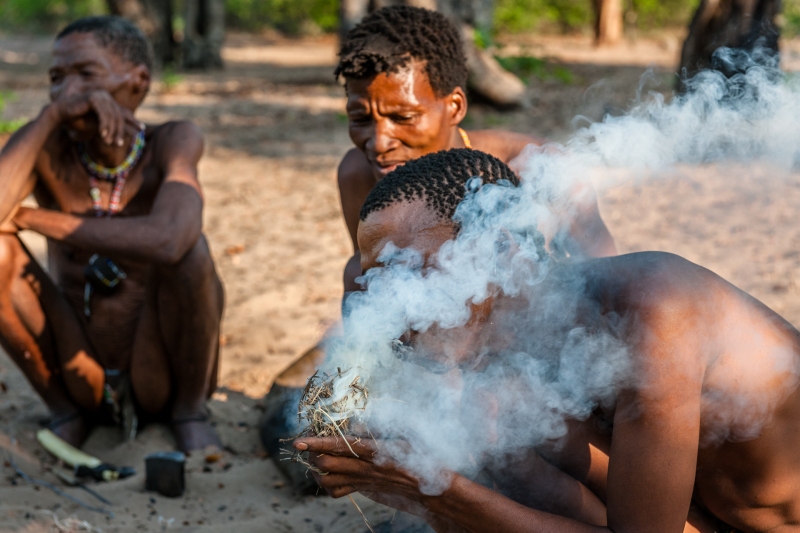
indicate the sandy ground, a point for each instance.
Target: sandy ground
{"x":275,"y":128}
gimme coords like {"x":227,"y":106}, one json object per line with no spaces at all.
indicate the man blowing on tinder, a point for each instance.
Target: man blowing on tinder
{"x":700,"y":434}
{"x":132,"y":300}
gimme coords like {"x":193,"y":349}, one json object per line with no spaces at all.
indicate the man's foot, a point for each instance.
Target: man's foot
{"x":70,"y":427}
{"x":194,"y":432}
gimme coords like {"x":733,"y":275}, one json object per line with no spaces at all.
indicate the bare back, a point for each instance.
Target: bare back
{"x":734,"y":362}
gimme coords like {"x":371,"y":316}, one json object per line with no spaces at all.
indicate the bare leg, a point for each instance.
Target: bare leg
{"x":42,"y":335}
{"x":176,"y":352}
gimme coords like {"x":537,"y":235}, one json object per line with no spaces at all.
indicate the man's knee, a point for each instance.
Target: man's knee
{"x":197,"y":262}
{"x":196,"y":271}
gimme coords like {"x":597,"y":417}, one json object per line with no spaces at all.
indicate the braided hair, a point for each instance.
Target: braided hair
{"x":387,"y":39}
{"x":439,"y":178}
{"x":116,"y":33}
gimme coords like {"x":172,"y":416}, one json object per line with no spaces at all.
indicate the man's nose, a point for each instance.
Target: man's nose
{"x":69,"y":86}
{"x":382,"y":139}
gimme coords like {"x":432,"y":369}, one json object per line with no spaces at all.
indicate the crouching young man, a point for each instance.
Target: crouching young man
{"x":701,"y":433}
{"x":131,"y":307}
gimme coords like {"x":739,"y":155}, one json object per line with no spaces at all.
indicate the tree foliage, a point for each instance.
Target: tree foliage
{"x":289,"y":16}
{"x":298,"y":16}
{"x":45,"y":15}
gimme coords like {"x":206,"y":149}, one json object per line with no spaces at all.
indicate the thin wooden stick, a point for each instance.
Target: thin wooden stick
{"x":55,"y":489}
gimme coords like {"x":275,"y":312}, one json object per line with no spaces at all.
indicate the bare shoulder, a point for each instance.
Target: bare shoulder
{"x":355,"y":173}
{"x":657,"y":275}
{"x":176,"y":139}
{"x":504,"y":145}
{"x":176,"y":127}
{"x":669,"y":292}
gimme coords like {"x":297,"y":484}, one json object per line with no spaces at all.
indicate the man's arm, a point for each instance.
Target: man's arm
{"x":504,"y":145}
{"x":464,"y":506}
{"x":355,"y":181}
{"x":164,"y":235}
{"x":582,"y":231}
{"x":588,"y":235}
{"x":18,"y":159}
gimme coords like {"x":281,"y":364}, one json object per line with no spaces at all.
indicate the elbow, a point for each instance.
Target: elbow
{"x":169,"y":254}
{"x":175,"y":245}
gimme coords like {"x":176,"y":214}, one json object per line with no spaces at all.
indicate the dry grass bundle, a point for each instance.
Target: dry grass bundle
{"x":327,"y":409}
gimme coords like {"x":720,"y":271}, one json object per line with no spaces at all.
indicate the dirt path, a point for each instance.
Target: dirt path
{"x":275,"y":131}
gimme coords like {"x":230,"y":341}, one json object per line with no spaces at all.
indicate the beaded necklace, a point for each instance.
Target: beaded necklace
{"x":465,"y":138}
{"x":118,"y":175}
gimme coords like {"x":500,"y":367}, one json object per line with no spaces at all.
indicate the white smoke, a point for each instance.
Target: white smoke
{"x":523,"y":393}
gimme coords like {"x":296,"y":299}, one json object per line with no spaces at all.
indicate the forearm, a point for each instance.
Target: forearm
{"x":528,"y":479}
{"x":144,"y":238}
{"x":18,"y":157}
{"x":478,"y":509}
{"x":589,"y":236}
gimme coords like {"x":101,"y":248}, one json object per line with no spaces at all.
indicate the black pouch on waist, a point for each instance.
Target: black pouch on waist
{"x":102,"y":274}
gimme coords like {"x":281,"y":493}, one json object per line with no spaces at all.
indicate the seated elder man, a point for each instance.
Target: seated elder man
{"x":405,"y":76}
{"x":702,"y":434}
{"x":132,"y":301}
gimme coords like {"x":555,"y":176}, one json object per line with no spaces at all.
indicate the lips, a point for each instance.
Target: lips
{"x":385,"y":168}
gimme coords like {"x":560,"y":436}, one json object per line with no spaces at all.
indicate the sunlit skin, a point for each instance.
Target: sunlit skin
{"x":689,"y":332}
{"x":162,"y":324}
{"x":396,"y":117}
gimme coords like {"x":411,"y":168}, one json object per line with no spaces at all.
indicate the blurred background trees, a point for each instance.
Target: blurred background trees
{"x":189,"y":33}
{"x":311,"y":17}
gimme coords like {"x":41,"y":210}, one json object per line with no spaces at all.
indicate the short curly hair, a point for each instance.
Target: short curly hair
{"x":116,"y":33}
{"x":440,"y":179}
{"x":387,"y":39}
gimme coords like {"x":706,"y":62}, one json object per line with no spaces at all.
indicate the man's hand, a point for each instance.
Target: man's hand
{"x":113,"y":121}
{"x":368,"y":472}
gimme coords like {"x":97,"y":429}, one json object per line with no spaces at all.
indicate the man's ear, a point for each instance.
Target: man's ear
{"x":457,"y":106}
{"x":140,"y":79}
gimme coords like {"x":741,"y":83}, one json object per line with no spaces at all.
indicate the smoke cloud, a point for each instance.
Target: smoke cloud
{"x":521,"y":394}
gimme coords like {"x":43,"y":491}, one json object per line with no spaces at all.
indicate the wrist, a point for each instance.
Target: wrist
{"x":442,"y":504}
{"x":51,"y":114}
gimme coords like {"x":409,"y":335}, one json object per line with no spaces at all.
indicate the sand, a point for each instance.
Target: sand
{"x":275,"y":131}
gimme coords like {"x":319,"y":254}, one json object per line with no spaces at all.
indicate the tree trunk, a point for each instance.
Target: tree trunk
{"x":350,"y":13}
{"x":608,"y":22}
{"x":154,"y":18}
{"x":744,"y":25}
{"x":204,"y":34}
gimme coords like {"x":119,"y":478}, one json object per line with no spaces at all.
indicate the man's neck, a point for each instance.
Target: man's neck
{"x":109,"y":156}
